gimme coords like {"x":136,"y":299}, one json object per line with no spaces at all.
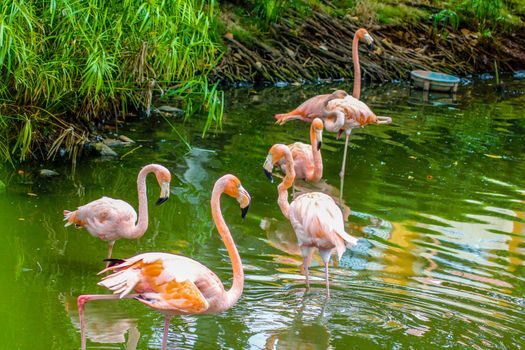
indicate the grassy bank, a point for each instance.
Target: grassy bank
{"x":69,"y":66}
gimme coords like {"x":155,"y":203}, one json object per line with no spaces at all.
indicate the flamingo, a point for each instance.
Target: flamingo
{"x":315,"y":217}
{"x":111,"y":219}
{"x":344,"y":115}
{"x":311,"y":108}
{"x":174,"y":284}
{"x":307,"y":160}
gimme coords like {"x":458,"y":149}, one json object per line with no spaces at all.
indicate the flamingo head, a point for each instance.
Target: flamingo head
{"x":362,"y":34}
{"x":317,"y":127}
{"x":275,"y":155}
{"x":163,"y":176}
{"x":233,"y":188}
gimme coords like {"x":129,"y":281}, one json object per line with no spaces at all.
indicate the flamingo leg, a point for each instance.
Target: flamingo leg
{"x":342,"y":173}
{"x":167,"y":320}
{"x":326,"y":254}
{"x":110,"y":251}
{"x":306,"y":252}
{"x":83,"y":299}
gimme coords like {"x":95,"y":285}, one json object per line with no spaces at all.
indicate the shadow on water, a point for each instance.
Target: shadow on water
{"x":437,"y":200}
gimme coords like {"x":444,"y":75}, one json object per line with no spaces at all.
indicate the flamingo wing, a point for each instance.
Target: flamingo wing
{"x":164,"y":281}
{"x":357,"y":113}
{"x":318,"y":222}
{"x":106,"y":218}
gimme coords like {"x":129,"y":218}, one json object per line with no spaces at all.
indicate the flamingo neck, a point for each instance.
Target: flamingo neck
{"x":287,"y":182}
{"x":316,"y":153}
{"x":142,"y":223}
{"x":232,"y":295}
{"x":357,"y":68}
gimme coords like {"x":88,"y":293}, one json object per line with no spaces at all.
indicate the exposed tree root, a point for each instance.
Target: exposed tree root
{"x":320,"y":47}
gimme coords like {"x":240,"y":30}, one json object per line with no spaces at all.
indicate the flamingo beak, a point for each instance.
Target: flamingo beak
{"x":244,"y":200}
{"x":369,"y":41}
{"x":244,"y":211}
{"x":164,"y":193}
{"x":268,"y":167}
{"x":384,"y":120}
{"x":319,"y":136}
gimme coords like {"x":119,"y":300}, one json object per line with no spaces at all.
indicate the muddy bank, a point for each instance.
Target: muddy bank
{"x":319,"y":46}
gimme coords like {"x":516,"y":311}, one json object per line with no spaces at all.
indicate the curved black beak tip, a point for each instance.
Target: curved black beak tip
{"x":319,"y":144}
{"x":268,"y":175}
{"x":161,"y":200}
{"x":244,"y":211}
{"x":371,"y":46}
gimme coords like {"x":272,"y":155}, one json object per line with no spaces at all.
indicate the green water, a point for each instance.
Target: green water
{"x":437,"y":200}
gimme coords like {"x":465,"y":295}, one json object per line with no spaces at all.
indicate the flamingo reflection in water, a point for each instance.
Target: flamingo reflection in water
{"x":174,"y":284}
{"x":105,"y":325}
{"x":302,"y":335}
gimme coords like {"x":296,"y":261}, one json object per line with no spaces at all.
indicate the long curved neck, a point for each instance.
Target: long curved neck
{"x":316,"y":153}
{"x":287,"y":182}
{"x":232,"y":295}
{"x":142,"y":223}
{"x":357,"y":68}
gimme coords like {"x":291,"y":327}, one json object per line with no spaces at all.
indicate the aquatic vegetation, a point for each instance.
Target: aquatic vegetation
{"x":68,"y":67}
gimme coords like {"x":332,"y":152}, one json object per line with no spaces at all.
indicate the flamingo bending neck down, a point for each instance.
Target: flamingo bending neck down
{"x":307,"y":160}
{"x":315,"y":217}
{"x":111,"y":219}
{"x":173,"y":284}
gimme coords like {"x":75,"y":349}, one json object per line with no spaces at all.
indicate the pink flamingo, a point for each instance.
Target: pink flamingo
{"x":311,"y":108}
{"x":111,"y":219}
{"x":344,"y":115}
{"x":173,"y":284}
{"x":307,"y":160}
{"x":315,"y":218}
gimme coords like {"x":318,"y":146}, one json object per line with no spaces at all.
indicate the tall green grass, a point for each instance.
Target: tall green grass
{"x":67,"y":66}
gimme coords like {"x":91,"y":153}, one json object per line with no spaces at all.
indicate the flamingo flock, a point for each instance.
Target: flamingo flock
{"x":177,"y":285}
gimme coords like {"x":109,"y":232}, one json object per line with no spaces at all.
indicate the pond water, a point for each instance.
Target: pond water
{"x":437,"y":200}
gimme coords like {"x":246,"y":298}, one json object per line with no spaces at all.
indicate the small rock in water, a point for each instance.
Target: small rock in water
{"x":104,"y":150}
{"x":486,"y":76}
{"x":124,"y":138}
{"x":281,"y":84}
{"x":47,"y":172}
{"x":519,"y":74}
{"x":170,"y":109}
{"x":112,"y":142}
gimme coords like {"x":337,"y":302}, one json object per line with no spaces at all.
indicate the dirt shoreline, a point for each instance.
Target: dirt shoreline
{"x":320,"y":48}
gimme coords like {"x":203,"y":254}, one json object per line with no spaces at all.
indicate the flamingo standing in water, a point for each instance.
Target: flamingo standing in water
{"x":307,"y":160}
{"x":315,"y":218}
{"x":173,"y":284}
{"x":111,"y":219}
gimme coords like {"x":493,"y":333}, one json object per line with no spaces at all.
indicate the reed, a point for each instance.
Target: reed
{"x":69,"y":66}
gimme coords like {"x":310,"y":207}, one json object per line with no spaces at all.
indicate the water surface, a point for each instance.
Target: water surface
{"x":436,"y":200}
